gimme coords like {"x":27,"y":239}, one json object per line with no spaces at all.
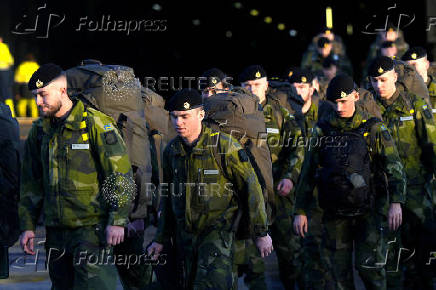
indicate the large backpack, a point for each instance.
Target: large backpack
{"x":344,"y":181}
{"x":160,"y":132}
{"x":237,"y":112}
{"x":115,"y":91}
{"x":9,"y":178}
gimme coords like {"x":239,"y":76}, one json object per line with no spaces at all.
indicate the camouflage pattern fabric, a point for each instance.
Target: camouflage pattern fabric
{"x":78,"y":258}
{"x":411,"y":123}
{"x":198,"y":211}
{"x":385,"y":158}
{"x":247,"y":260}
{"x":64,"y":170}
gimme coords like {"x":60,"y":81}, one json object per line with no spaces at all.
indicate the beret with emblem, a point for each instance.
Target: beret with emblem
{"x":44,"y":75}
{"x":252,"y":72}
{"x":213,"y":76}
{"x":301,"y":76}
{"x":323,"y":42}
{"x":184,"y":100}
{"x":380,"y":65}
{"x":414,"y":53}
{"x":340,"y":87}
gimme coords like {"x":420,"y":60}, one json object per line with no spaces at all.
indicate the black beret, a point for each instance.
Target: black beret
{"x":340,"y":87}
{"x":44,"y":75}
{"x":252,"y":72}
{"x":380,"y":65}
{"x":323,"y":41}
{"x":414,"y":53}
{"x":387,"y":44}
{"x":213,"y":76}
{"x":301,"y":76}
{"x":184,"y":100}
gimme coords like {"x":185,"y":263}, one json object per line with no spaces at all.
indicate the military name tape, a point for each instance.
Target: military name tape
{"x":272,"y":130}
{"x":210,"y":171}
{"x":79,"y":146}
{"x":408,"y":118}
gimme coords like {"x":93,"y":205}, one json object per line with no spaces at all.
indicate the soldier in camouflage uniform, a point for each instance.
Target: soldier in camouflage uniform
{"x":417,"y":57}
{"x":313,"y":268}
{"x":201,"y":202}
{"x":69,"y":154}
{"x":313,"y":60}
{"x":411,"y":123}
{"x":349,"y":217}
{"x":338,"y":44}
{"x":282,"y":132}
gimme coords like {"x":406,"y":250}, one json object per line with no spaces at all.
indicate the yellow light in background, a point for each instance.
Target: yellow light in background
{"x":268,"y":19}
{"x":329,"y":17}
{"x":281,"y":26}
{"x":254,"y":12}
{"x":350,"y":29}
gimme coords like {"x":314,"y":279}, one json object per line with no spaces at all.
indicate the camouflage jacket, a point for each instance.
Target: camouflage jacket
{"x":411,"y":124}
{"x":65,"y":166}
{"x":197,"y":195}
{"x":282,"y":132}
{"x":431,"y":85}
{"x":382,"y":151}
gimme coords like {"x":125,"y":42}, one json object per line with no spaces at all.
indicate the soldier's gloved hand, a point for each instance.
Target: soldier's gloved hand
{"x":114,"y":235}
{"x":284,"y":187}
{"x":155,"y":249}
{"x":26,"y":242}
{"x":395,"y":216}
{"x":264,"y":244}
{"x":300,"y":225}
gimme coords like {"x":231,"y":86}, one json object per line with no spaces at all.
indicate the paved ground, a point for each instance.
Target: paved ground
{"x":29,"y":272}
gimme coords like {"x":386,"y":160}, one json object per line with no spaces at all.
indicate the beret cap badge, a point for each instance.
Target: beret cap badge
{"x":380,"y":70}
{"x":257,"y":74}
{"x":343,"y":94}
{"x":303,"y":79}
{"x":214,"y":80}
{"x":414,"y":56}
{"x":39,"y":84}
{"x":186,"y":105}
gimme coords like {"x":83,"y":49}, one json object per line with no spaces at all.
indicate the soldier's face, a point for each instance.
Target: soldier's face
{"x":345,"y":107}
{"x":48,"y":99}
{"x":305,"y":90}
{"x":330,"y":72}
{"x":325,"y":51}
{"x":421,"y":65}
{"x":257,"y":87}
{"x":389,"y":51}
{"x":187,"y":123}
{"x":384,"y":85}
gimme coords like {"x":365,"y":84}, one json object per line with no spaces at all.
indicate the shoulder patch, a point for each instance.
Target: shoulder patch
{"x":110,"y":138}
{"x":385,"y":133}
{"x":107,"y":127}
{"x":426,"y":111}
{"x":243,"y":157}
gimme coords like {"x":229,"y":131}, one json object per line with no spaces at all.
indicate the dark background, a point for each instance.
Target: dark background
{"x":180,"y":48}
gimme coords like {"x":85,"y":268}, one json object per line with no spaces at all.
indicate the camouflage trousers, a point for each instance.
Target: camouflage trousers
{"x":79,"y":258}
{"x":362,"y":231}
{"x":314,"y":269}
{"x":247,"y":260}
{"x":207,"y":258}
{"x":287,"y":244}
{"x":138,"y":273}
{"x":418,"y":237}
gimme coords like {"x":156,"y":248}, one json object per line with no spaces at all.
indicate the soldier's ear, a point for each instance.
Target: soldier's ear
{"x":356,"y":96}
{"x":201,"y":114}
